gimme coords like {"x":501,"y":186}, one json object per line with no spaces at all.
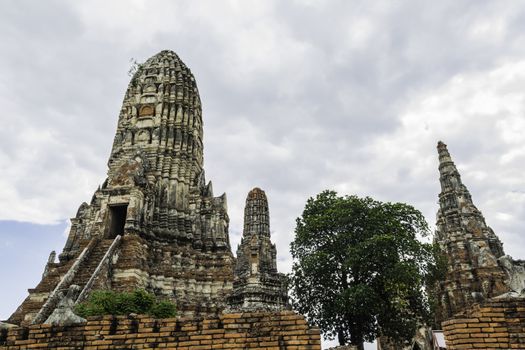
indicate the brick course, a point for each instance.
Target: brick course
{"x":263,"y":331}
{"x":493,"y":324}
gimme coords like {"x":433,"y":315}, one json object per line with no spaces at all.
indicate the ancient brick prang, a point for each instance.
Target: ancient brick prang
{"x":257,"y":284}
{"x":471,"y":247}
{"x":277,"y":330}
{"x":156,"y":185}
{"x":174,"y":231}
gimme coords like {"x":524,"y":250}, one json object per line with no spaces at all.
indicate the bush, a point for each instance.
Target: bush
{"x":107,"y":302}
{"x":163,"y":309}
{"x":142,"y":301}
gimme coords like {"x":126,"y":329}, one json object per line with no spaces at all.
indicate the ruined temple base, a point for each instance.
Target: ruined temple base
{"x":265,"y":330}
{"x":498,"y":323}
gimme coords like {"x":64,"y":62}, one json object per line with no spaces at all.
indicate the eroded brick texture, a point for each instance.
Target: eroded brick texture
{"x":471,"y":246}
{"x":257,"y":284}
{"x":174,"y":231}
{"x":492,"y":324}
{"x":268,"y":331}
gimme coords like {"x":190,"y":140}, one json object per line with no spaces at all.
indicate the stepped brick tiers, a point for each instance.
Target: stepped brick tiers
{"x":257,"y":285}
{"x":155,"y":224}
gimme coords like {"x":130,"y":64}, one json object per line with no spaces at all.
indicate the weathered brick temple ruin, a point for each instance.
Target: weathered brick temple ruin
{"x":156,"y":224}
{"x":481,"y":299}
{"x":481,"y":304}
{"x":470,"y":245}
{"x":257,"y":284}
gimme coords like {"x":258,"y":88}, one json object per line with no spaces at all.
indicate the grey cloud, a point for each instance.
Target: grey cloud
{"x":298,"y":97}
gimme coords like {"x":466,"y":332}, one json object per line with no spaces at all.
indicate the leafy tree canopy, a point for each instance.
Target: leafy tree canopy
{"x":359,"y":269}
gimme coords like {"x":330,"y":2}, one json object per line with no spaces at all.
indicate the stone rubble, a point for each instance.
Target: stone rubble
{"x":63,"y":315}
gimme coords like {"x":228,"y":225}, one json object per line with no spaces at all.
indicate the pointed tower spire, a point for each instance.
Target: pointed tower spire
{"x":257,"y":285}
{"x":256,"y":214}
{"x":449,"y":177}
{"x":471,"y":247}
{"x":447,"y":168}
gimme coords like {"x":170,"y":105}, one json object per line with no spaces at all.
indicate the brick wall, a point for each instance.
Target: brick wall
{"x":493,"y":324}
{"x":268,"y":331}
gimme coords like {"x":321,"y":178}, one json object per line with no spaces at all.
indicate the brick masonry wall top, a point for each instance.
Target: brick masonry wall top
{"x":494,"y":324}
{"x":276,"y":330}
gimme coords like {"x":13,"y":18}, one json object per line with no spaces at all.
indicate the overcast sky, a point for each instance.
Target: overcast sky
{"x":298,"y":96}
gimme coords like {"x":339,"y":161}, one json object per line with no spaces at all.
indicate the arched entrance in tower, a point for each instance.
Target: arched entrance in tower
{"x":117,"y":219}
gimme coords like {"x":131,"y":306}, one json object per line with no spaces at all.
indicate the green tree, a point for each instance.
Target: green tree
{"x":359,"y":269}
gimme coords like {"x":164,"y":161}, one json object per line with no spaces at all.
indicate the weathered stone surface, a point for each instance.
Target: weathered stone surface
{"x":422,"y":340}
{"x":496,"y":323}
{"x":259,"y":331}
{"x":50,"y":260}
{"x":515,"y":270}
{"x":472,"y":248}
{"x":63,"y":315}
{"x":156,"y":166}
{"x":47,"y":305}
{"x":5,"y":325}
{"x":480,"y":299}
{"x":478,"y":268}
{"x":174,"y":231}
{"x":257,"y":285}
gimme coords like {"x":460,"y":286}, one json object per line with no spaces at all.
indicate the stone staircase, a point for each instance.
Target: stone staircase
{"x":38,"y":296}
{"x":87,"y":268}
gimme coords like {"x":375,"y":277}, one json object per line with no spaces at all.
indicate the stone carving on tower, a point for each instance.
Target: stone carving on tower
{"x":257,"y":285}
{"x":471,"y":247}
{"x":154,"y":223}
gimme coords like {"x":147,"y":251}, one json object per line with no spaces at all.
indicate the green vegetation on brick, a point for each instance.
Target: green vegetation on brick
{"x":106,"y":302}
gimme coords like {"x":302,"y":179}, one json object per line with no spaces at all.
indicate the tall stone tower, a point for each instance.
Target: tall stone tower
{"x":154,"y":223}
{"x":257,"y":284}
{"x":471,"y":247}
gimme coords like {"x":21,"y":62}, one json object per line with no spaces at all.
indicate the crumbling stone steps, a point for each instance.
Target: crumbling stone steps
{"x":44,"y":288}
{"x":88,"y":267}
{"x":54,"y":275}
{"x":32,"y":306}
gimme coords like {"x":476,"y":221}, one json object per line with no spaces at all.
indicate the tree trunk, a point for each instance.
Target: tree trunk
{"x":341,"y":337}
{"x":357,"y":342}
{"x":355,"y":347}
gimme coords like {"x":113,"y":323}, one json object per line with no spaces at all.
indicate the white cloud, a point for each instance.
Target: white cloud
{"x":298,"y":97}
{"x":480,"y":116}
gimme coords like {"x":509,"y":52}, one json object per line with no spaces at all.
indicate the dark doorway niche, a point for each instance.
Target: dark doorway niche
{"x":117,"y":219}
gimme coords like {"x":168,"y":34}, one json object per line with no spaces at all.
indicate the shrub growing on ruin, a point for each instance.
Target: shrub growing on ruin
{"x":107,"y":302}
{"x":163,"y":309}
